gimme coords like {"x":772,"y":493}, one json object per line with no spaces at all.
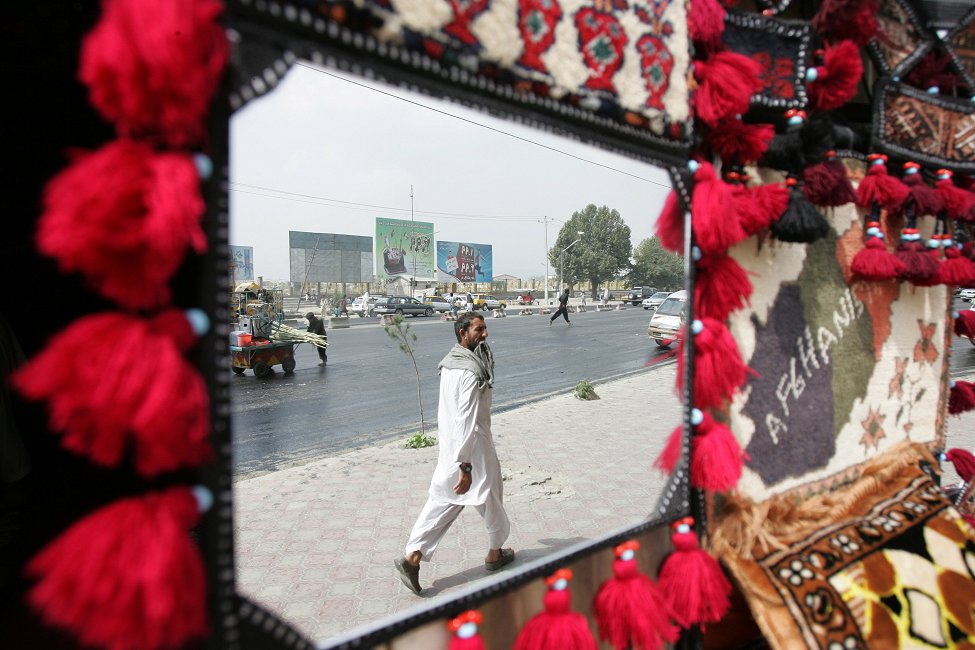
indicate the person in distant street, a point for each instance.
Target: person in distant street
{"x":365,"y":303}
{"x":468,"y":472}
{"x":563,"y":308}
{"x":605,"y":296}
{"x":344,"y":306}
{"x":317,"y":326}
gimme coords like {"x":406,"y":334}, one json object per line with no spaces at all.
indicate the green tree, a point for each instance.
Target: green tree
{"x":655,"y":266}
{"x":399,"y":331}
{"x":603,"y":252}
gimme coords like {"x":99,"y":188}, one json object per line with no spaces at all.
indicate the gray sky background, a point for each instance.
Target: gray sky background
{"x":304,"y":155}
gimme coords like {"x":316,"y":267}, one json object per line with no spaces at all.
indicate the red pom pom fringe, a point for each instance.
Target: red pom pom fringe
{"x":919,"y":267}
{"x":964,"y":463}
{"x":955,"y":269}
{"x":965,"y":324}
{"x":718,"y":368}
{"x":156,"y":83}
{"x":855,"y":20}
{"x":716,"y":226}
{"x":693,"y":583}
{"x":734,"y":140}
{"x":110,"y":403}
{"x":705,"y":23}
{"x":961,"y":397}
{"x":124,"y":217}
{"x":670,"y":454}
{"x":556,"y":628}
{"x":721,"y":287}
{"x":875,"y":263}
{"x":773,"y":200}
{"x":957,"y":202}
{"x":880,"y":188}
{"x":126,"y":576}
{"x":716,"y":457}
{"x":726,"y":83}
{"x":670,"y":225}
{"x":826,"y":184}
{"x":630,"y":611}
{"x":838,"y":77}
{"x":921,"y":198}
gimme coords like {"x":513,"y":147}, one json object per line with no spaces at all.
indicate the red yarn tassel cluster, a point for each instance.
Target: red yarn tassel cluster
{"x":874,"y":262}
{"x":955,"y":270}
{"x":855,"y":20}
{"x":695,"y":587}
{"x":124,"y":216}
{"x":464,"y":629}
{"x":919,"y":267}
{"x":670,"y":224}
{"x":126,"y":576}
{"x":921,"y":199}
{"x":718,"y":368}
{"x":716,"y":225}
{"x":826,"y":183}
{"x":110,"y":404}
{"x":957,"y":202}
{"x":837,"y":77}
{"x":629,"y":609}
{"x":961,"y":397}
{"x":716,"y":456}
{"x":880,"y":188}
{"x":557,"y":627}
{"x":964,"y":463}
{"x":721,"y":287}
{"x":965,"y":324}
{"x":733,"y":139}
{"x":705,"y":22}
{"x":157,"y":83}
{"x":726,"y":83}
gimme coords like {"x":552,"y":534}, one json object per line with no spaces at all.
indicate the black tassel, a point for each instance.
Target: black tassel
{"x":801,"y":222}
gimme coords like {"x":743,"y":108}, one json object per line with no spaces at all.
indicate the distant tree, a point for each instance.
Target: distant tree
{"x":655,"y":266}
{"x":602,"y":253}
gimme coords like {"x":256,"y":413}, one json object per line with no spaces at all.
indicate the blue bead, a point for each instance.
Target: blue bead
{"x":812,"y":74}
{"x":627,"y":555}
{"x":697,"y":326}
{"x":204,"y":166}
{"x":693,"y":165}
{"x":697,"y":417}
{"x":199,"y":321}
{"x":695,"y":253}
{"x":467,"y":630}
{"x":204,"y":497}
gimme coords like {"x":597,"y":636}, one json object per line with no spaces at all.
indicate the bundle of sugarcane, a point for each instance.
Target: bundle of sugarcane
{"x":282,"y":332}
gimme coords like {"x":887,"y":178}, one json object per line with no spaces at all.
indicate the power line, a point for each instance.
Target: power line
{"x":483,"y":126}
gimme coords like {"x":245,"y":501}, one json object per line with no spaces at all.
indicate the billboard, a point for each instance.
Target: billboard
{"x":241,"y":264}
{"x":404,"y":249}
{"x":464,"y":262}
{"x":329,"y":257}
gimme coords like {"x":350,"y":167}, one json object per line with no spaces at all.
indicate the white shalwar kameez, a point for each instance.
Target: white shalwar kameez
{"x":464,"y":436}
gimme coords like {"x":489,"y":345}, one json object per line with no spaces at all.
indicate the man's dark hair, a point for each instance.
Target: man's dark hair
{"x":309,"y":315}
{"x":463,"y":322}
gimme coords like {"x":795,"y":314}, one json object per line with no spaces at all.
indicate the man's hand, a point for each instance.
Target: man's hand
{"x":463,"y":483}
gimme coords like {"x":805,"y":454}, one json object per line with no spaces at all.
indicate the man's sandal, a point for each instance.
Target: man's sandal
{"x":507,"y":557}
{"x":408,"y":574}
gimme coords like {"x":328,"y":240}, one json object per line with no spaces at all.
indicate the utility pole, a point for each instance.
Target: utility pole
{"x":412,"y":245}
{"x":545,"y":221}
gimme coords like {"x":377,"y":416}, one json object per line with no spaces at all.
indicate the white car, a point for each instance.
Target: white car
{"x":356,"y":306}
{"x":967,"y":294}
{"x":654,"y":301}
{"x":668,"y":319}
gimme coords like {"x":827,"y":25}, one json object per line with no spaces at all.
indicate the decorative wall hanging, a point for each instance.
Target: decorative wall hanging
{"x":931,"y":129}
{"x":900,"y":41}
{"x":960,"y":43}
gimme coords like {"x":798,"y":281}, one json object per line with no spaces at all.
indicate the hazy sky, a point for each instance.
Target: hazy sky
{"x":308,"y":156}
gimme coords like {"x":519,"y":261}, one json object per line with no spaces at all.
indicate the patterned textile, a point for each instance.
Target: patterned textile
{"x":930,"y":129}
{"x":886,"y":562}
{"x":781,"y":47}
{"x":961,"y":47}
{"x":842,"y":371}
{"x":621,"y":60}
{"x":900,"y":39}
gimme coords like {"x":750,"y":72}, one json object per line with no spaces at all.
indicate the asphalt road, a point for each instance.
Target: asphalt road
{"x":368,"y":391}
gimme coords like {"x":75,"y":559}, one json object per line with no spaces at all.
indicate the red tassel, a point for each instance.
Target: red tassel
{"x":670,"y":455}
{"x":961,"y":398}
{"x":630,"y":612}
{"x":718,"y":368}
{"x":705,"y":23}
{"x":801,"y":222}
{"x":716,"y":456}
{"x":773,"y":200}
{"x":965,"y":323}
{"x":733,"y":139}
{"x":124,"y":217}
{"x":826,"y":183}
{"x":855,"y":20}
{"x":126,"y":576}
{"x":716,"y":226}
{"x":878,"y":187}
{"x":836,"y":78}
{"x":556,"y":628}
{"x":464,"y":628}
{"x":921,"y":198}
{"x":692,"y":582}
{"x":156,"y":83}
{"x":721,"y":287}
{"x":919,"y":267}
{"x":955,"y":269}
{"x":957,"y":202}
{"x":874,"y":262}
{"x":670,"y":225}
{"x":113,"y":401}
{"x":964,"y":463}
{"x":726,"y":83}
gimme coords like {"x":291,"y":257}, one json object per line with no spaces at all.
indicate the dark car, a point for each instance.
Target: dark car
{"x":403,"y":305}
{"x":636,"y":295}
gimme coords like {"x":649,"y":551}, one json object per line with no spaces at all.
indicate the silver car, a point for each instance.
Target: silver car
{"x":654,"y":301}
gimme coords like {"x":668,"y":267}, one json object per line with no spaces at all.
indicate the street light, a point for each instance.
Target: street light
{"x":562,"y":255}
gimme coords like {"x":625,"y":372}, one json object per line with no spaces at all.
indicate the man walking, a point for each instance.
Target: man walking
{"x":468,"y":472}
{"x":563,"y":308}
{"x":317,"y":326}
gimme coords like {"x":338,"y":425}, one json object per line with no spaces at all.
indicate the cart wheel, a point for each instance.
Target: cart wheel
{"x":238,"y":370}
{"x":261,"y":369}
{"x":288,"y":365}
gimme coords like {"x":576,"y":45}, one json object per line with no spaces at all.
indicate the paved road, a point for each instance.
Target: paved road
{"x":367,"y":393}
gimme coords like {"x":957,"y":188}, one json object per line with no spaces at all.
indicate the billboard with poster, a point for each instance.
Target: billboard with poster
{"x":404,"y":249}
{"x":464,"y":262}
{"x":241,"y":264}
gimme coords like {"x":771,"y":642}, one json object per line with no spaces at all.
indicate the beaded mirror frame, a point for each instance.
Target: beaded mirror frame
{"x":446,"y":58}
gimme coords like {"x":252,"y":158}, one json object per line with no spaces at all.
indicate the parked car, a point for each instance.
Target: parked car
{"x":668,"y":319}
{"x":654,"y":301}
{"x":484,"y":301}
{"x":403,"y":305}
{"x":636,"y":295}
{"x":356,"y":307}
{"x":439,"y":303}
{"x":967,"y":294}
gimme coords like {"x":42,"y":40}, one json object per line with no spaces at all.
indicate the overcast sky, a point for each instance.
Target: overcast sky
{"x":311,"y":154}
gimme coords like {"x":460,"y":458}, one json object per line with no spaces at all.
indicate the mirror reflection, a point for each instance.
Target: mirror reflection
{"x":382,"y":216}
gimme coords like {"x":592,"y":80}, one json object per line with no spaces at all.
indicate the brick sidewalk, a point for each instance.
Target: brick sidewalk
{"x":316,"y":543}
